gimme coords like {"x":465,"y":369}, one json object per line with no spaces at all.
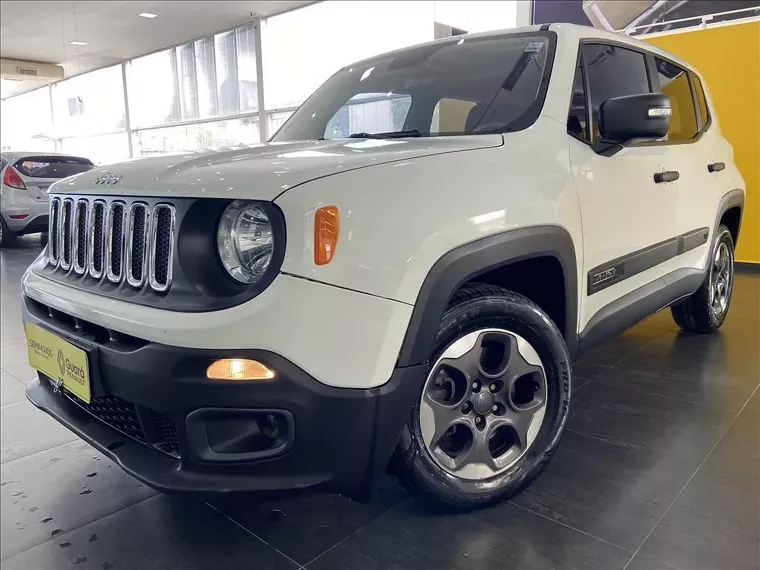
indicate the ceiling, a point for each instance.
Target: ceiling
{"x":41,"y":31}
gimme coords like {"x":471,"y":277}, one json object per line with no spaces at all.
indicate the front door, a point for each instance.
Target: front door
{"x":628,"y":213}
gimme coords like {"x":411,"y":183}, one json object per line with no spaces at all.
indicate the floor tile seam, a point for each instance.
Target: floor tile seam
{"x":345,"y":538}
{"x":73,"y":439}
{"x":673,"y":398}
{"x":74,"y":529}
{"x":583,"y":532}
{"x":680,"y":492}
{"x":250,"y":532}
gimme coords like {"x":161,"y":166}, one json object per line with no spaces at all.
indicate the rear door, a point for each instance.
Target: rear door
{"x":627,"y":216}
{"x":691,"y":148}
{"x":39,"y":172}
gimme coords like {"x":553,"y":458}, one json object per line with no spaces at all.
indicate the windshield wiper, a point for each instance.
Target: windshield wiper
{"x":390,"y":135}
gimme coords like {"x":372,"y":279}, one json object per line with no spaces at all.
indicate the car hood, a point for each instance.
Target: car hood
{"x":260,"y":172}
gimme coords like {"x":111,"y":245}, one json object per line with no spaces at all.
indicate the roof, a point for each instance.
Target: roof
{"x":571,"y":31}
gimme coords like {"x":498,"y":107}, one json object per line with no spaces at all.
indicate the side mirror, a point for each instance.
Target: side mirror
{"x":634,"y":117}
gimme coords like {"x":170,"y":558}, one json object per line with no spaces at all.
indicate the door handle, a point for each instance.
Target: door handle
{"x":667,"y":176}
{"x":715,"y":167}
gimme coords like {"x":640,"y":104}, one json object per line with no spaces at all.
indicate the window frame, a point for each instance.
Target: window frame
{"x":654,"y":87}
{"x":696,"y":83}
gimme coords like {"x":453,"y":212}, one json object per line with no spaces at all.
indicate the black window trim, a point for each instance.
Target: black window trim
{"x":649,"y":57}
{"x":696,"y":83}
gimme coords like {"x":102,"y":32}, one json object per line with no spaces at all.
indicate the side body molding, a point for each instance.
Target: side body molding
{"x":467,"y":262}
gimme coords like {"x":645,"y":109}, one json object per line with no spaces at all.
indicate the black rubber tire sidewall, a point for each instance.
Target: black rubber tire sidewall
{"x":694,"y":313}
{"x":491,"y":307}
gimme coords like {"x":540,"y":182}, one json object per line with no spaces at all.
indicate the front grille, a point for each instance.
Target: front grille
{"x":117,"y":413}
{"x":148,"y":427}
{"x":132,"y":243}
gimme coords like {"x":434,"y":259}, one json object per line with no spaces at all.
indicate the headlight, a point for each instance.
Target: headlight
{"x":245,"y":240}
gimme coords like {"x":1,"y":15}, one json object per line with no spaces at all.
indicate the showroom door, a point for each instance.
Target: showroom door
{"x":626,"y":211}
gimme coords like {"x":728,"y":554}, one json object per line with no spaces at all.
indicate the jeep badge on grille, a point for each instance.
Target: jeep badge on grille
{"x":108,"y":179}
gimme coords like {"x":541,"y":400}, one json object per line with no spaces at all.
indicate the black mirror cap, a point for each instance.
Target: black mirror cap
{"x":645,"y":116}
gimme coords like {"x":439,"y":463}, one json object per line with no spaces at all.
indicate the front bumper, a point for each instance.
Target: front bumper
{"x":338,"y":438}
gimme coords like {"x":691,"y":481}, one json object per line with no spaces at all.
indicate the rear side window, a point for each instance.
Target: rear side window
{"x":699,"y":92}
{"x":613,"y":71}
{"x":674,"y":82}
{"x":455,"y":115}
{"x":52,"y":166}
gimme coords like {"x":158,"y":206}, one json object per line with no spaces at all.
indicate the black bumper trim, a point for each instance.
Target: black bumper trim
{"x":344,"y":436}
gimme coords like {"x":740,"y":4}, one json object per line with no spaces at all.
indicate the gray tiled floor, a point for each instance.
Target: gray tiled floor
{"x":659,"y":469}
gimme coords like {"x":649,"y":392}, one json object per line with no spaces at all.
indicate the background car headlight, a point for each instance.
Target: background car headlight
{"x":245,"y":240}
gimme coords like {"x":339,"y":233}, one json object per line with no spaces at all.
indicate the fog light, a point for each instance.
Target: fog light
{"x":239,"y":369}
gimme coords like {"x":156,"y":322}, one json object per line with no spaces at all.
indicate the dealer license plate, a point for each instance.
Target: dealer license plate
{"x":60,"y":360}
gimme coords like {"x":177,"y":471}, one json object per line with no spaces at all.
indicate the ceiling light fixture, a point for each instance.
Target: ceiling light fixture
{"x":147,"y":15}
{"x":78,"y":43}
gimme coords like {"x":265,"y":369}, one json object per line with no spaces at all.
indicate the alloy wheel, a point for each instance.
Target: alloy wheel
{"x":483,"y":403}
{"x":721,"y":275}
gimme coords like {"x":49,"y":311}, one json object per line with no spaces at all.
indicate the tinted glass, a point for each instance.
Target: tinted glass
{"x":576,"y":118}
{"x":369,"y":113}
{"x":450,"y":115}
{"x":503,"y":77}
{"x":613,"y":71}
{"x":52,"y":166}
{"x":674,"y":82}
{"x":704,"y":113}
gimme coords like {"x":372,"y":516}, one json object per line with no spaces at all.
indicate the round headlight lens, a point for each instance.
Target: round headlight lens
{"x":245,"y":240}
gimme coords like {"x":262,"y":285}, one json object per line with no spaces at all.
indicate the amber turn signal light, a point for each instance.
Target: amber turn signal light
{"x":326,"y":230}
{"x":239,"y":369}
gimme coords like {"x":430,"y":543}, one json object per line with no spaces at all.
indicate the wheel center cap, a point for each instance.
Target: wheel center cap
{"x":483,"y":402}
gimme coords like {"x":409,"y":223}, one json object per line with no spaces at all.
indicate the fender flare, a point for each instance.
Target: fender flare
{"x":466,"y":262}
{"x":729,"y":200}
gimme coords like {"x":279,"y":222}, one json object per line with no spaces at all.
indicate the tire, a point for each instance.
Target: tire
{"x":7,"y":237}
{"x":509,"y":317}
{"x":698,"y":313}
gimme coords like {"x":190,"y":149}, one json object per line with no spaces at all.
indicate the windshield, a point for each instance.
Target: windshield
{"x":52,"y":166}
{"x":463,"y":86}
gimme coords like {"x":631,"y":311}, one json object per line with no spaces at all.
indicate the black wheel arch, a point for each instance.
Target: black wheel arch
{"x":466,"y":262}
{"x":731,"y":201}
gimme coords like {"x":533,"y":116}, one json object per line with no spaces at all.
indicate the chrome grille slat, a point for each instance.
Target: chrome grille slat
{"x":80,"y":226}
{"x":162,"y":240}
{"x":64,"y":233}
{"x":55,"y":208}
{"x":115,"y":240}
{"x":137,"y":243}
{"x":116,"y":233}
{"x":96,"y":234}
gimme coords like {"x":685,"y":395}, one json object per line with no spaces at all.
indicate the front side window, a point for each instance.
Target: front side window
{"x":613,"y":71}
{"x":674,"y":82}
{"x":369,"y":113}
{"x":577,"y":122}
{"x":462,"y":86}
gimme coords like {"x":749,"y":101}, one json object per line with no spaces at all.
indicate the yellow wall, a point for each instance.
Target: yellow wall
{"x":729,"y":59}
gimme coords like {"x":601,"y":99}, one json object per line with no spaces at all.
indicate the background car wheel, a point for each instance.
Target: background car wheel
{"x":494,"y":404}
{"x":7,"y":237}
{"x":705,"y":311}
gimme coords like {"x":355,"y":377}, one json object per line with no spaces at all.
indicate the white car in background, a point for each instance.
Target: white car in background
{"x":26,"y":177}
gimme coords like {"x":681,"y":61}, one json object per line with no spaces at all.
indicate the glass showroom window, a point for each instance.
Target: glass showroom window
{"x":27,"y":123}
{"x":100,"y":149}
{"x":90,"y":104}
{"x":225,"y":134}
{"x":207,"y":78}
{"x":369,"y":28}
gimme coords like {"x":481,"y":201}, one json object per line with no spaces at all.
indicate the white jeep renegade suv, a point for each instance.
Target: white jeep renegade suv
{"x":400,"y":278}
